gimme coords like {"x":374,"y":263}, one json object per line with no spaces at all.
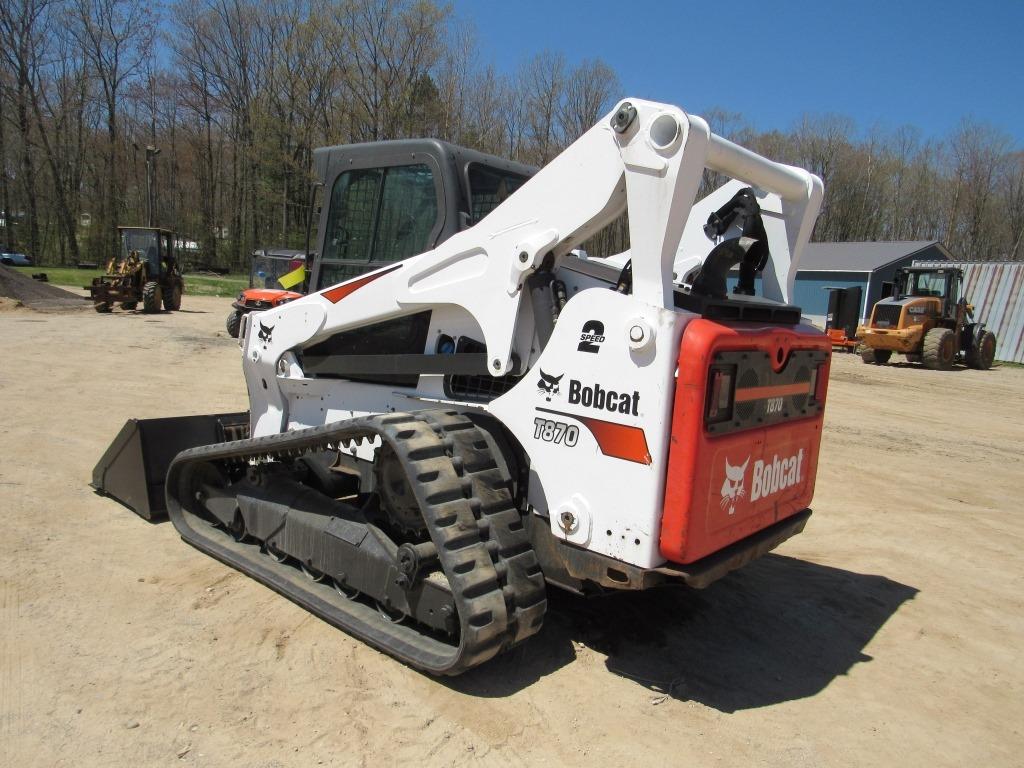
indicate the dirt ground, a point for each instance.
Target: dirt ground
{"x":889,"y":633}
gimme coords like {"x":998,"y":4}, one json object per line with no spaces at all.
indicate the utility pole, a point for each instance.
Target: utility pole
{"x":151,"y":153}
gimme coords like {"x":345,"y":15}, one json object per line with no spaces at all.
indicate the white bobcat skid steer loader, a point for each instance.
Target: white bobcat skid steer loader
{"x":433,"y":442}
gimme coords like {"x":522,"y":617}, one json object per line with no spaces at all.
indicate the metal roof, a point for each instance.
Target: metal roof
{"x":862,"y":257}
{"x":996,"y":289}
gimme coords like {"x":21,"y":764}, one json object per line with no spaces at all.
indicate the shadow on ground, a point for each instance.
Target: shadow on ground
{"x":780,"y":629}
{"x":955,"y":368}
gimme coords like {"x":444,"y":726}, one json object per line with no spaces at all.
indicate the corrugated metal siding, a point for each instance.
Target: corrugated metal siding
{"x":996,"y":289}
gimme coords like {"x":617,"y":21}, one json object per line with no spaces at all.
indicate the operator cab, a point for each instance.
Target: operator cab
{"x":390,"y":200}
{"x":153,"y":246}
{"x":929,"y":282}
{"x":940,"y":283}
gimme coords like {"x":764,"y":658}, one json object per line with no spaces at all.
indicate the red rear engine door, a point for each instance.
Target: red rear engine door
{"x":746,"y":430}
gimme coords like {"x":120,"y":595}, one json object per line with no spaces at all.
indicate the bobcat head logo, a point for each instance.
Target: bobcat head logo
{"x":266,"y":331}
{"x":732,"y":488}
{"x":548,"y":385}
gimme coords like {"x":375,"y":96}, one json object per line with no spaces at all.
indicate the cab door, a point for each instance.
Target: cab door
{"x":377,"y":216}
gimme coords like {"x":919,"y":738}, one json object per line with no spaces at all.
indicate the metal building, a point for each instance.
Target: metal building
{"x":996,"y":289}
{"x":867,"y":264}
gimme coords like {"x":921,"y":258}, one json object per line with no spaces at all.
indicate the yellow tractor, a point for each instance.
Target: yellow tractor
{"x":927,"y":320}
{"x":145,"y":271}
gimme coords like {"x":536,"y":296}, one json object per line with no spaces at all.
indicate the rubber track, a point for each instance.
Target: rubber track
{"x":515,"y":561}
{"x":466,"y":504}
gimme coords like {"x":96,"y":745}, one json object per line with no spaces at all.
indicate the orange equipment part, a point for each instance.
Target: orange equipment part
{"x":273,"y":295}
{"x":838,"y":338}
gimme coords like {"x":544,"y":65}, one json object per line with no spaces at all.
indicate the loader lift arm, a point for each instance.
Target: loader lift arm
{"x":644,"y":157}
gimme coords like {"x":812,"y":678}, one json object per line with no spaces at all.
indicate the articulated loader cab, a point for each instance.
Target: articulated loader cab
{"x":928,"y":320}
{"x":145,"y":271}
{"x":465,"y":410}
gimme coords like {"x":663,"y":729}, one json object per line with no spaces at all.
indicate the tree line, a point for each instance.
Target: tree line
{"x":235,"y":94}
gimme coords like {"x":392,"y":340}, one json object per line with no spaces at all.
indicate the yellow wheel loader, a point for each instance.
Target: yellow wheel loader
{"x":928,"y":320}
{"x":145,"y":271}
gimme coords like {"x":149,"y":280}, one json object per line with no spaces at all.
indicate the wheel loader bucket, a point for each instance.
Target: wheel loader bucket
{"x":133,"y":468}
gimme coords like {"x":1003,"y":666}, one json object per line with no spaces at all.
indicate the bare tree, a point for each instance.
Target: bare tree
{"x":1013,"y":205}
{"x":245,"y":89}
{"x":589,"y":90}
{"x":116,"y":36}
{"x":20,"y":22}
{"x":389,"y":46}
{"x":5,"y":192}
{"x":977,"y":152}
{"x":543,"y":83}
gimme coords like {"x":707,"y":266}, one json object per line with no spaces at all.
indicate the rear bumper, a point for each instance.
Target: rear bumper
{"x":713,"y":567}
{"x":573,"y":568}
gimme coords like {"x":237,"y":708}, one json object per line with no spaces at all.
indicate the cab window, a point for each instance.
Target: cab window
{"x":926,"y":284}
{"x":380,"y":215}
{"x":488,"y":188}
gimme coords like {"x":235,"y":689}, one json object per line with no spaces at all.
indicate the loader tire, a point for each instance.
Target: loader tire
{"x":939,"y":349}
{"x":234,"y":324}
{"x":152,"y":296}
{"x":172,"y":299}
{"x":983,"y":352}
{"x":875,"y":356}
{"x":102,"y":306}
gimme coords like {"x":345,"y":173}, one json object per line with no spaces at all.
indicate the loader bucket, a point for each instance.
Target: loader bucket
{"x":133,"y":468}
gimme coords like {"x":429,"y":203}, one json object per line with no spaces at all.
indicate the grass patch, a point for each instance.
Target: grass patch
{"x":215,"y":285}
{"x":195,"y":285}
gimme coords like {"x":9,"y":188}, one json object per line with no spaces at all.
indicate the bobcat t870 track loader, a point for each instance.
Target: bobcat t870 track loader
{"x":487,"y":411}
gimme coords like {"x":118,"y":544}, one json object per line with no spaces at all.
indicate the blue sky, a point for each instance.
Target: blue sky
{"x":886,"y":64}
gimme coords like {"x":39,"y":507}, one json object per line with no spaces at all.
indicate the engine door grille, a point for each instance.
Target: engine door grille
{"x":886,"y":316}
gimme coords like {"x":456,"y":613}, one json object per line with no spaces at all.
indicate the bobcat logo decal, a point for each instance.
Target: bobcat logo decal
{"x":266,"y":331}
{"x":548,"y":385}
{"x":733,"y":488}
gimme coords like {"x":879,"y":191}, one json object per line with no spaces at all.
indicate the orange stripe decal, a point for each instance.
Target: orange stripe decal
{"x":782,"y":390}
{"x":619,"y":441}
{"x":336,"y":294}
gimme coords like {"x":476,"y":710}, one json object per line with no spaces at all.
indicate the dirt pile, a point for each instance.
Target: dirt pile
{"x":22,"y":290}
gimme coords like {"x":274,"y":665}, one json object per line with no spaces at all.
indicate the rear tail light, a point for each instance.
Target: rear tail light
{"x":817,"y":384}
{"x":721,"y":388}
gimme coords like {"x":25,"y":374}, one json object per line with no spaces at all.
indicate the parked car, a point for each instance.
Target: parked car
{"x":15,"y":260}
